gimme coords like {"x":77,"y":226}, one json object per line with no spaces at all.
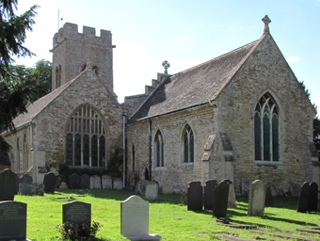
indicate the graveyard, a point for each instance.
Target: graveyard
{"x":169,"y":218}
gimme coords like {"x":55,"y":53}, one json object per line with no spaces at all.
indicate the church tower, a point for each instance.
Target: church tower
{"x":72,"y":50}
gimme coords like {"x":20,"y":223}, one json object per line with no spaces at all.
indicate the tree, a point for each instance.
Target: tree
{"x":14,"y":94}
{"x":316,"y":134}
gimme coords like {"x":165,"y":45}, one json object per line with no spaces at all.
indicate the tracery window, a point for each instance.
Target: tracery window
{"x":158,"y":149}
{"x":188,"y":144}
{"x":266,"y":129}
{"x":85,"y":138}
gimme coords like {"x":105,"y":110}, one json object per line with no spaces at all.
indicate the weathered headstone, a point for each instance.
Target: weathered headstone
{"x":220,"y":202}
{"x":257,"y":198}
{"x":25,"y":185}
{"x":95,"y":182}
{"x":232,"y":202}
{"x":194,"y":196}
{"x":117,"y":184}
{"x":37,"y":189}
{"x":85,"y":181}
{"x":303,"y":198}
{"x":151,"y":192}
{"x":208,"y":194}
{"x":135,"y":219}
{"x":13,"y":220}
{"x":106,"y":182}
{"x":313,"y":197}
{"x":50,"y":181}
{"x":8,"y":185}
{"x":74,"y":181}
{"x":78,"y":213}
{"x":269,"y":197}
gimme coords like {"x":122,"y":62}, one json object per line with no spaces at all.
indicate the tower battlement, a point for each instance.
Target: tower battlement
{"x":70,"y":31}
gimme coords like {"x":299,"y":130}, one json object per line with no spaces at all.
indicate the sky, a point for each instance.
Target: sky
{"x":183,"y":32}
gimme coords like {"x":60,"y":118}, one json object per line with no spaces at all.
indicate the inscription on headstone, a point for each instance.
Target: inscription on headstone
{"x":151,"y":192}
{"x":194,"y":196}
{"x":13,"y":220}
{"x":77,"y":212}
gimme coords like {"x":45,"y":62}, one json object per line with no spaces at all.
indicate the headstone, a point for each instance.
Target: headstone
{"x":269,"y":198}
{"x":37,"y":189}
{"x":74,"y":181}
{"x":13,"y":220}
{"x":232,"y":201}
{"x":25,"y":185}
{"x":95,"y":182}
{"x":78,"y":213}
{"x":85,"y":181}
{"x":106,"y":182}
{"x":208,"y":194}
{"x":245,"y":187}
{"x":194,"y":196}
{"x":313,"y":197}
{"x":220,"y":202}
{"x":257,"y":198}
{"x":151,"y":192}
{"x":135,"y":219}
{"x":8,"y":185}
{"x":117,"y":184}
{"x":303,"y":198}
{"x":50,"y":181}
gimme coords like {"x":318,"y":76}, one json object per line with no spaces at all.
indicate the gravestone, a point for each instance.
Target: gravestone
{"x":78,"y":213}
{"x":269,"y":197}
{"x":85,"y":181}
{"x":8,"y":184}
{"x":74,"y":181}
{"x":106,"y":182}
{"x":232,"y":201}
{"x":313,"y":197}
{"x":194,"y":196}
{"x":220,"y":202}
{"x":13,"y":221}
{"x":50,"y":181}
{"x":303,"y":198}
{"x":208,"y":194}
{"x":95,"y":182}
{"x":37,"y":189}
{"x":135,"y":219}
{"x":151,"y":192}
{"x":25,"y":185}
{"x":257,"y":198}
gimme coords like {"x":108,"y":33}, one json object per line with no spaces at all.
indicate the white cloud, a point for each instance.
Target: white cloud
{"x":184,"y":39}
{"x":293,"y":59}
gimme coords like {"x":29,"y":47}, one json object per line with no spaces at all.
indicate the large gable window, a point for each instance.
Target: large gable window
{"x":188,"y":144}
{"x":266,"y":129}
{"x":85,"y":139}
{"x":158,"y":150}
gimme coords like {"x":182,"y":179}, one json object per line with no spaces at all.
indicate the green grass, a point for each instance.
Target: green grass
{"x":167,"y":217}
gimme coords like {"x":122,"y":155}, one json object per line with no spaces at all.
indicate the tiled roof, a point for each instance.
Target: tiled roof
{"x":194,"y":86}
{"x":36,"y":107}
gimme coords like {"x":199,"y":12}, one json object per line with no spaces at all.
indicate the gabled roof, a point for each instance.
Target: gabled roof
{"x":194,"y":86}
{"x":36,"y":107}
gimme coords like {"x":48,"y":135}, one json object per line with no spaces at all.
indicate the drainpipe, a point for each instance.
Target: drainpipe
{"x":124,"y":115}
{"x":150,"y":149}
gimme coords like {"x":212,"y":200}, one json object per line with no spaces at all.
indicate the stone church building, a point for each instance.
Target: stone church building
{"x":240,"y":116}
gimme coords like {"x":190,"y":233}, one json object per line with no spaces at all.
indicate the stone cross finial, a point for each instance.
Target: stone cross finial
{"x":266,"y":21}
{"x":166,"y":66}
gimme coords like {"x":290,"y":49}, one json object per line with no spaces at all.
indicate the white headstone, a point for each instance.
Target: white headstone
{"x":135,"y":219}
{"x":257,"y":198}
{"x":151,"y":192}
{"x":106,"y":182}
{"x":95,"y":182}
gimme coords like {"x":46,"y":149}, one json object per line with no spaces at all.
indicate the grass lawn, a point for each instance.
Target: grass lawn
{"x":167,"y":218}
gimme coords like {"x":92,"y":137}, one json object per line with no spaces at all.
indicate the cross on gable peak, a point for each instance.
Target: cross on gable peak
{"x":266,"y":21}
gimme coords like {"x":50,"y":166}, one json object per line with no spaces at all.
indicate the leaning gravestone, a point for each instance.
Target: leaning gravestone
{"x":78,"y":213}
{"x":313,"y":197}
{"x":303,"y":198}
{"x":208,"y":194}
{"x":220,"y":202}
{"x":135,"y":219}
{"x":50,"y":181}
{"x":194,"y":196}
{"x":13,"y":221}
{"x":8,"y":185}
{"x":151,"y":192}
{"x":257,"y":198}
{"x":25,"y":187}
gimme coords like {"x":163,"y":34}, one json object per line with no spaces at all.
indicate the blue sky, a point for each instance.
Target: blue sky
{"x":183,"y":32}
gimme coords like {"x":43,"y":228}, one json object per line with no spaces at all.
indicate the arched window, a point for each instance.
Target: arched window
{"x":266,"y":129}
{"x":158,"y":150}
{"x":188,"y":144}
{"x":85,"y":138}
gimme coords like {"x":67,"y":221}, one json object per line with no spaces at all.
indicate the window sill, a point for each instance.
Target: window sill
{"x":274,"y":164}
